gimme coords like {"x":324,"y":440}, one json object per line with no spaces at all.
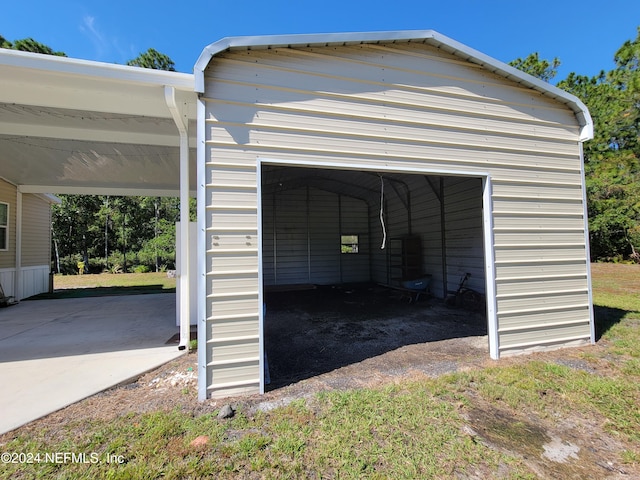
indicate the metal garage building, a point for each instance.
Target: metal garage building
{"x":311,"y":145}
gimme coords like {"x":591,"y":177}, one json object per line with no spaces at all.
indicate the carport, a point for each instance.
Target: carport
{"x":80,"y":127}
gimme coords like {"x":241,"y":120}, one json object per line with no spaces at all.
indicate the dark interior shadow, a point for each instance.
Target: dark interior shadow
{"x":605,"y":318}
{"x":311,"y":332}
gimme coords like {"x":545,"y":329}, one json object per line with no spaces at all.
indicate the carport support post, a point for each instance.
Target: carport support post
{"x":180,"y":118}
{"x":17,"y":288}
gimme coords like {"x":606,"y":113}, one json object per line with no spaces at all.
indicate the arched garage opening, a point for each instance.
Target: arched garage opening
{"x":339,"y":249}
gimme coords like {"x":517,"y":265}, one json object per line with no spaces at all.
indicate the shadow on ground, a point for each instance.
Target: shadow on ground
{"x":102,"y":292}
{"x":308,"y":333}
{"x":605,"y":318}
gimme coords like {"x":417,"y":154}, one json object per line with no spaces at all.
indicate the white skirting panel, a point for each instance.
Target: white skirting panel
{"x":34,"y":279}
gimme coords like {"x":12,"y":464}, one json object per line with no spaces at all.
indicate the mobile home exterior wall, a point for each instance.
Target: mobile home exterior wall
{"x":35,"y":243}
{"x":404,"y":106}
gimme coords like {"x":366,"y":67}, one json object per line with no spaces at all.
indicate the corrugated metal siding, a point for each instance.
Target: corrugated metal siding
{"x":232,"y":305}
{"x":36,"y":229}
{"x":301,"y":231}
{"x":8,"y":195}
{"x":541,"y":265}
{"x":407,"y":106}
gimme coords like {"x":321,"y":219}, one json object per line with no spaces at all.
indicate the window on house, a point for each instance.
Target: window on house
{"x":349,"y":243}
{"x":4,"y":226}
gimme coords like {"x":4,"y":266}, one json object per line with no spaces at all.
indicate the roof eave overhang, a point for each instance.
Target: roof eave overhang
{"x":422,"y":36}
{"x":90,"y":68}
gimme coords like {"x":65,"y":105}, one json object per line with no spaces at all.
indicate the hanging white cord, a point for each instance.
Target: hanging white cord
{"x":384,"y":229}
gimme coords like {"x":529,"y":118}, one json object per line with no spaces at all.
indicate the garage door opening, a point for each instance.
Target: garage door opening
{"x":358,"y":264}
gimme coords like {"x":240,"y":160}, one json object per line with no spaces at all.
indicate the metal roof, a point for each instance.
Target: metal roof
{"x":78,"y":126}
{"x":430,"y":37}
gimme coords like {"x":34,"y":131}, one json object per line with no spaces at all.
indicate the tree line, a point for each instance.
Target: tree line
{"x":115,"y":234}
{"x":129,"y":233}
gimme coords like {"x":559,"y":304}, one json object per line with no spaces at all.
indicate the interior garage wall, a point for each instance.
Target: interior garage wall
{"x":301,"y":237}
{"x":464,"y":244}
{"x":451,"y":236}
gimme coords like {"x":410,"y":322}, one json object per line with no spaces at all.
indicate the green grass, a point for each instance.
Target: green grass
{"x":402,"y":432}
{"x":93,"y":285}
{"x":406,"y":430}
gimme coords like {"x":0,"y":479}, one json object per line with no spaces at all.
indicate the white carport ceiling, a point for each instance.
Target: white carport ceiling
{"x":75,"y":126}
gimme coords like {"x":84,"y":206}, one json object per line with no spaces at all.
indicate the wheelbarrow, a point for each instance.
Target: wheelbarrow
{"x":412,"y":289}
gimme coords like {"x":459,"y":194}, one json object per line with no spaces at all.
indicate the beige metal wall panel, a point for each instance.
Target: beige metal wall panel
{"x":233,"y":379}
{"x":233,"y":327}
{"x":544,"y":336}
{"x":537,"y":221}
{"x":527,"y":321}
{"x":404,"y":107}
{"x":231,"y":283}
{"x":540,"y":286}
{"x":232,"y":245}
{"x":233,"y":261}
{"x":543,"y":269}
{"x":539,"y":301}
{"x":271,"y":104}
{"x":506,"y":239}
{"x":527,"y":189}
{"x":547,"y":253}
{"x":407,"y":86}
{"x":307,"y":123}
{"x":233,"y":351}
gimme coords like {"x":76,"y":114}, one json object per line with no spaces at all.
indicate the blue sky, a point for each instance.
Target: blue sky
{"x":583,"y":34}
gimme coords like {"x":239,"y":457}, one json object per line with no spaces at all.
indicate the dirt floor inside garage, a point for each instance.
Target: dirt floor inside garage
{"x":371,"y":330}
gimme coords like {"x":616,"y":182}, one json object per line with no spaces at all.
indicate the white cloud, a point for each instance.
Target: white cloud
{"x":89,"y":28}
{"x":108,"y":47}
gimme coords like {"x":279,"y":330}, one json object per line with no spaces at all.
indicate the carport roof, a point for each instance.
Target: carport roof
{"x":430,"y":37}
{"x":78,"y":126}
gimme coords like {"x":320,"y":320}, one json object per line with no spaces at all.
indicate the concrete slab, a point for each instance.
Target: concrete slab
{"x":56,"y":352}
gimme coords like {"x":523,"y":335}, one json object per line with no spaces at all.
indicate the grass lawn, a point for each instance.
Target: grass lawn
{"x":91,"y":285}
{"x":494,"y":422}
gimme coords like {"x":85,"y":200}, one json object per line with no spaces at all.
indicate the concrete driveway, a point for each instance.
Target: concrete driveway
{"x":56,"y":352}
